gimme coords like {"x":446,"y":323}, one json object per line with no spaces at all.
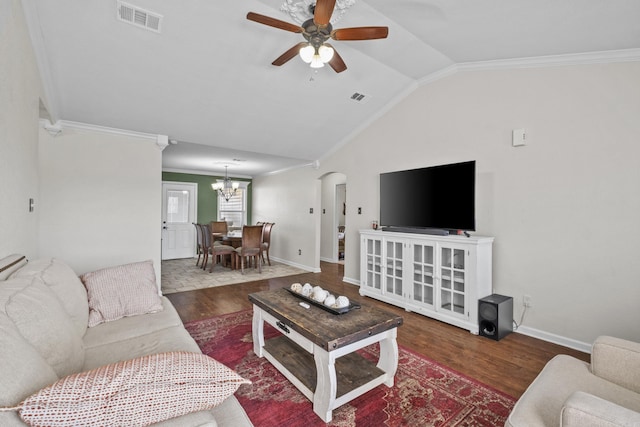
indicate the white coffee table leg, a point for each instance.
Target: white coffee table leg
{"x":388,"y":361}
{"x":325,"y":394}
{"x":257,"y":330}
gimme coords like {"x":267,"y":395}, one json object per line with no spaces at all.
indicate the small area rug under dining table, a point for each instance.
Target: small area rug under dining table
{"x":180,"y":275}
{"x":425,"y":393}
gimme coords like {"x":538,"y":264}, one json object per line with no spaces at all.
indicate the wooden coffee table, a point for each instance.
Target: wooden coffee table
{"x":316,"y":349}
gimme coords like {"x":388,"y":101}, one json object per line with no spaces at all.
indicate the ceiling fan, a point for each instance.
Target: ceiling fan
{"x":316,"y":31}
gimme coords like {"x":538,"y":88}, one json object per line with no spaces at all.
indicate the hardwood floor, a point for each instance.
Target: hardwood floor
{"x":508,"y":365}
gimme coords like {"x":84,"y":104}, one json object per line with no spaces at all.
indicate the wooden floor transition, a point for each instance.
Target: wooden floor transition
{"x":508,"y":365}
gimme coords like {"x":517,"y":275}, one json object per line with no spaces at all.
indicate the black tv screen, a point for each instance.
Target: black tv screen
{"x":440,"y":197}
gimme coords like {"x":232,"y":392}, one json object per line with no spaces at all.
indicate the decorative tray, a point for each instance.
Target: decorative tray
{"x":332,"y":310}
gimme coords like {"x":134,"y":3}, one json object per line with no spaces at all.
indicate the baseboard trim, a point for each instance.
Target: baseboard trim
{"x":556,"y":339}
{"x":351,"y":280}
{"x":293,"y":264}
{"x":531,"y":332}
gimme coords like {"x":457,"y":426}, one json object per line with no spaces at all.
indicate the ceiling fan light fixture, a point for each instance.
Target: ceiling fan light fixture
{"x":317,"y":29}
{"x":316,"y":62}
{"x":326,"y":53}
{"x":316,"y":58}
{"x":307,"y":53}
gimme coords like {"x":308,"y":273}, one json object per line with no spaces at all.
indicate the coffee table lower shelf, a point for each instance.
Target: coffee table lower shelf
{"x":352,"y":370}
{"x":329,"y":379}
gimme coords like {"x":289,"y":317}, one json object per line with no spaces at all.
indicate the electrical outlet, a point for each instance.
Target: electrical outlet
{"x":299,"y":251}
{"x":526,"y":301}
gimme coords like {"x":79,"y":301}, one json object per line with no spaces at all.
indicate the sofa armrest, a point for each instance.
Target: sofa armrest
{"x":586,"y":410}
{"x":618,"y":361}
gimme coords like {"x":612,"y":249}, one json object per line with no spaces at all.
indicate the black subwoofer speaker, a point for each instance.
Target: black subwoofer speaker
{"x":495,"y":316}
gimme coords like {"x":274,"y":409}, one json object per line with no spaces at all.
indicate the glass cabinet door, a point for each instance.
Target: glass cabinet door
{"x":423,"y":274}
{"x":373,"y":253}
{"x":393,"y":273}
{"x":452,"y":280}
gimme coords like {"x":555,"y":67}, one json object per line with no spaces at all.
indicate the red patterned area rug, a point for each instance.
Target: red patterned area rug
{"x":425,"y":393}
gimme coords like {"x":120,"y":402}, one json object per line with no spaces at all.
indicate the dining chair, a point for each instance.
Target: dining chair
{"x":215,"y":250}
{"x":251,"y":246}
{"x":206,"y":244}
{"x":218,"y":227}
{"x":199,"y":247}
{"x":266,"y":240}
{"x":219,"y":251}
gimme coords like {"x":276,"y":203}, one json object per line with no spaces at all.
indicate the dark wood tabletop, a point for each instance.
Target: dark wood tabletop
{"x":234,"y":241}
{"x":327,"y":330}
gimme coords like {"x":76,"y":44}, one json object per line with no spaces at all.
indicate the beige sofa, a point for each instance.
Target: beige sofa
{"x":572,"y":393}
{"x":44,"y":336}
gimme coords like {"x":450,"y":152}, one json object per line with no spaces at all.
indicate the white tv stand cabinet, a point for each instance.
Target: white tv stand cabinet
{"x":442,"y":277}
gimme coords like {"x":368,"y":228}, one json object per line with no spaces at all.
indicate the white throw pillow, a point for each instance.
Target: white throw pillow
{"x":125,"y":290}
{"x":136,"y":392}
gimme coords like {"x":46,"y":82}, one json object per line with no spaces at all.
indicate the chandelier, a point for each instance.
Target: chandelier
{"x":226,"y":188}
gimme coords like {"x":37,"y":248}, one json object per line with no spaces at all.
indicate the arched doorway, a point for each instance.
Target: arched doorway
{"x":333,"y":202}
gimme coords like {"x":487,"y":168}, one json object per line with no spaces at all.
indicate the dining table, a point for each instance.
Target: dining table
{"x":230,"y":239}
{"x":234,"y":240}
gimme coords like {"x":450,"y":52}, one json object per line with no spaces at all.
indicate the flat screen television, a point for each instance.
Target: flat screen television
{"x":437,"y":198}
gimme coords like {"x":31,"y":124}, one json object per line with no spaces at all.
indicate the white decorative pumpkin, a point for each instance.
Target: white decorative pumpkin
{"x":319,"y":295}
{"x":330,"y":300}
{"x":307,"y":289}
{"x":342,"y":302}
{"x":296,"y":287}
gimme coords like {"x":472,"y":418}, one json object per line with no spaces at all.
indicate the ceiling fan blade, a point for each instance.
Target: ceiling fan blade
{"x":273,"y":22}
{"x":323,"y":11}
{"x":336,"y":62}
{"x":360,"y":33}
{"x":288,"y":55}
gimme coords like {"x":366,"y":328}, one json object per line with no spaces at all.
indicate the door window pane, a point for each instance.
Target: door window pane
{"x":177,"y":206}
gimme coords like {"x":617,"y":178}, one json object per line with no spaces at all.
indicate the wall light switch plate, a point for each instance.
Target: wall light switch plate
{"x":519,"y":137}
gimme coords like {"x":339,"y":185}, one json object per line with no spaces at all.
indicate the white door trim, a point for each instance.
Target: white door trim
{"x":193,"y":209}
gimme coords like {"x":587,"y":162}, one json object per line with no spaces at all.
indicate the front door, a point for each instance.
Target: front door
{"x":178,"y":216}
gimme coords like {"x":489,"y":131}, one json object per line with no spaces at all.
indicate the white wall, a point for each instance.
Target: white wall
{"x":19,"y":102}
{"x":563,"y":209}
{"x":101,"y":199}
{"x":285,"y":199}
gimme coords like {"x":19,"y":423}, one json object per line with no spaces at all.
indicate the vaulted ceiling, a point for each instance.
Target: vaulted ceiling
{"x":206,"y":79}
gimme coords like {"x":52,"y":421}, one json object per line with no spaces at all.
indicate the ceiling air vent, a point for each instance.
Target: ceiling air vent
{"x":359,"y":97}
{"x":139,"y":17}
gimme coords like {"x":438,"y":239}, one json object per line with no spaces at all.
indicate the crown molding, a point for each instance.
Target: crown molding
{"x":602,"y":57}
{"x":56,"y":129}
{"x":438,"y":75}
{"x":314,"y":164}
{"x":104,"y":129}
{"x":53,"y":129}
{"x":204,"y":172}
